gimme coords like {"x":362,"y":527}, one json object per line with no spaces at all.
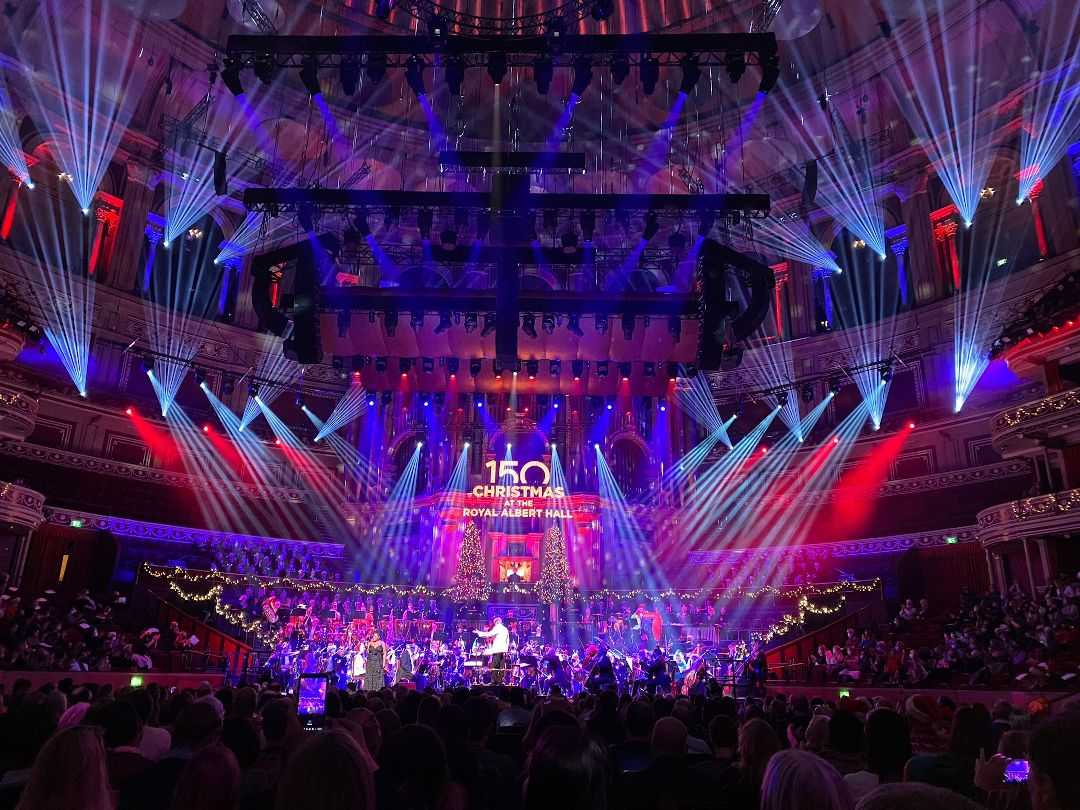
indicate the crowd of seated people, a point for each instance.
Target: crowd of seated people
{"x":292,"y":560}
{"x":80,"y":635}
{"x":497,"y":748}
{"x":1015,"y":640}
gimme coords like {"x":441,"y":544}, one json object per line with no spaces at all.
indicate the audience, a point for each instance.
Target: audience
{"x":243,"y":749}
{"x":799,"y":780}
{"x":82,"y":636}
{"x":76,"y":753}
{"x":1011,"y":642}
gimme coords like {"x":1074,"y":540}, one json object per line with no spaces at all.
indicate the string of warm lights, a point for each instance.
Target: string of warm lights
{"x":1054,"y":404}
{"x":232,"y":615}
{"x":789,"y":622}
{"x":786,"y":592}
{"x":1046,"y":504}
{"x":288,"y":583}
{"x":791,"y":591}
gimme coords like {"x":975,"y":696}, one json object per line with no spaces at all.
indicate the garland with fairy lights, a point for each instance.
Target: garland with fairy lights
{"x":789,"y":622}
{"x":811,"y":590}
{"x":288,"y":583}
{"x":471,"y":582}
{"x":703,"y":594}
{"x":230,"y":614}
{"x":476,"y":588}
{"x":554,"y":583}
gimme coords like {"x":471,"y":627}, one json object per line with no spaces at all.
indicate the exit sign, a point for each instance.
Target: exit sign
{"x":77,"y":523}
{"x":952,"y":540}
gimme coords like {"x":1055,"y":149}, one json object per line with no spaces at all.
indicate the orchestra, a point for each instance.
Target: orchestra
{"x":369,"y":652}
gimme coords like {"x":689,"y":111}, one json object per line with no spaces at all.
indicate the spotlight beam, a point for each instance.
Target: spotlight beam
{"x":87,"y":84}
{"x":944,"y":55}
{"x":351,"y":406}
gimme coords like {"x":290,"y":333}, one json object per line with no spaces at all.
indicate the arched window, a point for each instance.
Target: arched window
{"x":863,"y":292}
{"x":632,"y":469}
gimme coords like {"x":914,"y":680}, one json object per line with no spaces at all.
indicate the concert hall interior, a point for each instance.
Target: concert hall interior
{"x":701,"y":349}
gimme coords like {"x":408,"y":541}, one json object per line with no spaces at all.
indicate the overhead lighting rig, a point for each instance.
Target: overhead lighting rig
{"x":346,"y":201}
{"x":541,"y":52}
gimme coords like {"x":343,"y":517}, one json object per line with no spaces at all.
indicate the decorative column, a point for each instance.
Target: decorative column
{"x":946,"y":226}
{"x":800,"y":288}
{"x":21,"y":511}
{"x":243,"y":314}
{"x":138,"y":195}
{"x":1030,"y":570}
{"x":1074,"y":166}
{"x":821,"y":276}
{"x":155,"y":234}
{"x":782,"y":274}
{"x":230,"y":270}
{"x":107,"y":216}
{"x":898,"y":244}
{"x":919,"y":260}
{"x":1058,"y":205}
{"x":1036,"y":215}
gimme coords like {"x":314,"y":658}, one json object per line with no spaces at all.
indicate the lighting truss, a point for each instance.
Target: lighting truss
{"x":195,"y":159}
{"x":711,"y":50}
{"x":351,"y":201}
{"x":564,"y":14}
{"x":253,"y":10}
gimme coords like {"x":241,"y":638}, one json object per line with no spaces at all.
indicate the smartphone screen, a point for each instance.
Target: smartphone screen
{"x":311,"y":706}
{"x":1017,"y":770}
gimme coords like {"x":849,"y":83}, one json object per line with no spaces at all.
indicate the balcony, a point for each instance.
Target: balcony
{"x":1037,"y":516}
{"x":11,"y":343}
{"x":20,"y":507}
{"x":1053,"y":421}
{"x":18,"y":413}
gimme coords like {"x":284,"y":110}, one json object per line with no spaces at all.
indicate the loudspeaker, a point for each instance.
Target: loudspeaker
{"x":304,"y":345}
{"x":507,"y":289}
{"x":221,"y":180}
{"x":809,"y":191}
{"x":722,"y":326}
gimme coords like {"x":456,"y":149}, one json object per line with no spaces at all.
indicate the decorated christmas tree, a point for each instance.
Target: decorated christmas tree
{"x":554,"y":583}
{"x":471,"y":581}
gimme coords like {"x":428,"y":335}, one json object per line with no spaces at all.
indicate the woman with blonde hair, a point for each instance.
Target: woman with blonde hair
{"x":757,"y":744}
{"x":69,"y":772}
{"x":328,"y":771}
{"x":799,"y":780}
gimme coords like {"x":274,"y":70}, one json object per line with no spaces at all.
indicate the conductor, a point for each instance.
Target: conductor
{"x":497,"y":647}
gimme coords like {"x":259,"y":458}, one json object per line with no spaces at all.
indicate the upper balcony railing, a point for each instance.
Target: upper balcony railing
{"x":20,"y":507}
{"x":1038,"y":516}
{"x":1028,"y":428}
